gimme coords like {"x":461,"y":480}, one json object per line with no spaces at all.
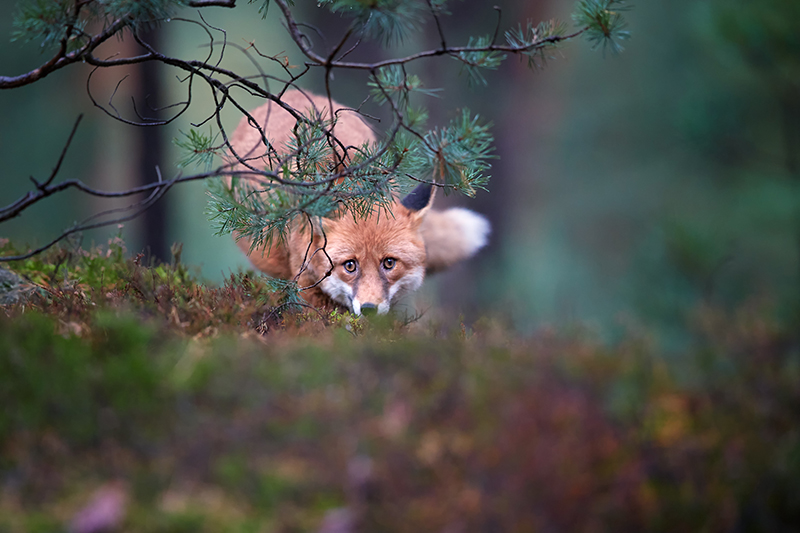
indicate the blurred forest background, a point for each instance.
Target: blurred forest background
{"x":627,"y":188}
{"x":657,"y":188}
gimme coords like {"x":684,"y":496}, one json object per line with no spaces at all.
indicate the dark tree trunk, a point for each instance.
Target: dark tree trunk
{"x":151,"y":143}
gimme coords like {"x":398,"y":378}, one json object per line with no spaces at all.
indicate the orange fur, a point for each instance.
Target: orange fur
{"x":388,"y":249}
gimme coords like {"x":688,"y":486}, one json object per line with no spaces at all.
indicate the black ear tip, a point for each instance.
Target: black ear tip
{"x":419,"y":198}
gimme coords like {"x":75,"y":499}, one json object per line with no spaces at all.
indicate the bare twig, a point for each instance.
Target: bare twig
{"x":62,"y":59}
{"x":138,"y":208}
{"x":317,"y":60}
{"x":225,"y":87}
{"x":438,"y":24}
{"x":497,"y":27}
{"x":210,"y":3}
{"x":61,"y":157}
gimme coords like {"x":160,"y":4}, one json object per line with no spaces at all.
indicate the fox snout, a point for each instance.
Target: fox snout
{"x":371,"y":290}
{"x":344,"y":294}
{"x":364,"y":293}
{"x":378,"y":298}
{"x":369,"y":308}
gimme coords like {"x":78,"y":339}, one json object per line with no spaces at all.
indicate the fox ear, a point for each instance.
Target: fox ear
{"x":419,"y":200}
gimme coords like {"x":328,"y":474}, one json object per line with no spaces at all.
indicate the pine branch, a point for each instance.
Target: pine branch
{"x":309,"y":178}
{"x":317,"y":60}
{"x":62,"y":58}
{"x":210,"y":3}
{"x":604,"y":23}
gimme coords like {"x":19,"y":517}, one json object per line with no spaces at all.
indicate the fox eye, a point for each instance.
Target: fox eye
{"x":389,"y":263}
{"x":350,"y":265}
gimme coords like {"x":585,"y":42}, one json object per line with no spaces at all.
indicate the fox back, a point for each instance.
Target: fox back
{"x":357,"y":264}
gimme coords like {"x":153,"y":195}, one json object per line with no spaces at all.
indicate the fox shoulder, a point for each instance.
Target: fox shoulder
{"x":276,"y":124}
{"x":452,"y":236}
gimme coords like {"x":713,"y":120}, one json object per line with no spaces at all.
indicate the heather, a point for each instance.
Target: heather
{"x":201,"y":407}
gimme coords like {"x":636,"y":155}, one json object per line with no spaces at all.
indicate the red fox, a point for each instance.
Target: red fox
{"x":364,"y":264}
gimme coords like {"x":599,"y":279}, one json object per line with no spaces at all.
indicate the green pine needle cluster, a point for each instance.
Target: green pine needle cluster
{"x":394,"y":82}
{"x":389,"y":21}
{"x":263,"y":10}
{"x":140,"y":12}
{"x":287,"y":290}
{"x":535,"y":40}
{"x":368,"y":188}
{"x":43,"y":20}
{"x":262,"y":214}
{"x":605,"y":24}
{"x":457,"y":156}
{"x":474,"y":61}
{"x":312,"y":149}
{"x":198,"y":150}
{"x":52,"y":21}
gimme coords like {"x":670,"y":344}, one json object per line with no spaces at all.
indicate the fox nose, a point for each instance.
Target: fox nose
{"x":369,"y":308}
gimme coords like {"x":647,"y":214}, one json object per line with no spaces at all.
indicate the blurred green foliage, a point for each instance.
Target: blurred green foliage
{"x":409,"y":427}
{"x":663,"y":179}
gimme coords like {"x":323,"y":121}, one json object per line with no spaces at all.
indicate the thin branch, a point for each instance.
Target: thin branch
{"x":342,"y":42}
{"x":438,"y":24}
{"x":205,"y":27}
{"x":276,"y":311}
{"x":61,"y":157}
{"x":141,"y":207}
{"x":328,"y":63}
{"x":210,"y":3}
{"x":297,"y":36}
{"x":307,"y":260}
{"x":61,"y":59}
{"x":497,"y":27}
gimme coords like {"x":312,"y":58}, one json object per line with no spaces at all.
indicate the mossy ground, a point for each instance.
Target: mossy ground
{"x":215,"y":409}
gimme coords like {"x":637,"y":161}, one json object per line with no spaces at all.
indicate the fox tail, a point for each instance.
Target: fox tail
{"x":452,"y":235}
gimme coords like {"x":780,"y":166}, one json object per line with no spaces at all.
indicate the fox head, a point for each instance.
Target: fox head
{"x":374,"y":261}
